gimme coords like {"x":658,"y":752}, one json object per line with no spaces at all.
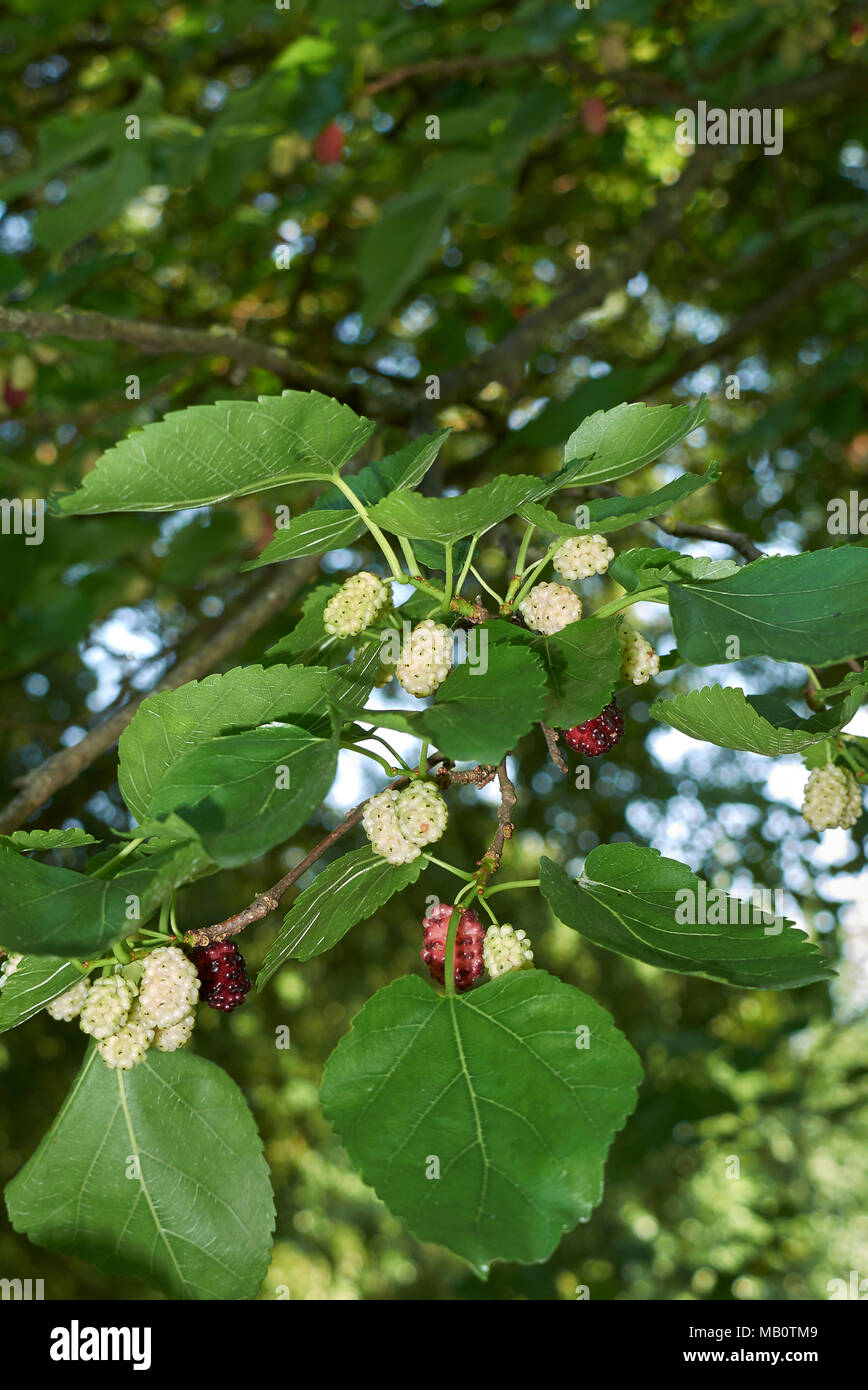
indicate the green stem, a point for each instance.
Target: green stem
{"x":656,"y":595}
{"x":121,"y":854}
{"x":487,"y":587}
{"x":519,"y":565}
{"x":465,"y":568}
{"x":372,"y":526}
{"x":375,"y":757}
{"x":450,"y":868}
{"x":447,"y":546}
{"x":390,"y":749}
{"x":449,"y":949}
{"x":423,"y":758}
{"x":533,"y":572}
{"x":489,"y":911}
{"x":515,"y":883}
{"x":407,"y":552}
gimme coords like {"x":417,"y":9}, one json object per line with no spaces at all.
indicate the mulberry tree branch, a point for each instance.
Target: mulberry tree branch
{"x":61,"y":769}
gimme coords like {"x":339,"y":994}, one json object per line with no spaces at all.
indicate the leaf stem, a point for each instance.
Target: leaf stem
{"x":447,"y":546}
{"x":450,"y":868}
{"x":655,"y":595}
{"x":375,"y":757}
{"x":514,"y":883}
{"x":121,"y":854}
{"x":465,"y":568}
{"x":519,"y":565}
{"x":487,"y":587}
{"x":372,"y":526}
{"x":532,"y":574}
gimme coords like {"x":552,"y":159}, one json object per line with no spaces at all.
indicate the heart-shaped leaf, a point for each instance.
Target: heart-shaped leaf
{"x":156,"y":1173}
{"x":483,"y":1120}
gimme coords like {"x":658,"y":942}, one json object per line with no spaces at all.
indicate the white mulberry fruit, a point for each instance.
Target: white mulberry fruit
{"x":426,"y":658}
{"x":639,"y":661}
{"x":169,"y":987}
{"x":421,"y":813}
{"x":582,"y":556}
{"x":506,"y":949}
{"x":68,"y":1005}
{"x":12,"y":963}
{"x":833,"y":798}
{"x":358,"y":601}
{"x":550,"y":607}
{"x":171,"y":1038}
{"x":380,"y":822}
{"x":107,"y":1006}
{"x":126,"y":1048}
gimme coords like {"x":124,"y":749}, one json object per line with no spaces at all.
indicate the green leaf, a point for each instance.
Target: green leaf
{"x":155,"y":1173}
{"x":168,"y":725}
{"x":809,"y":608}
{"x":332,"y":522}
{"x":752,"y":723}
{"x":631,"y":900}
{"x":245,"y":793}
{"x":346,"y":892}
{"x":33,"y":984}
{"x":480,"y":714}
{"x":606,"y":514}
{"x":45,"y":910}
{"x":210,"y":452}
{"x":309,"y":643}
{"x":40,"y":840}
{"x":450,"y":518}
{"x":647,"y":567}
{"x":615,"y":442}
{"x":583,"y":666}
{"x":398,"y":247}
{"x":496,"y":1087}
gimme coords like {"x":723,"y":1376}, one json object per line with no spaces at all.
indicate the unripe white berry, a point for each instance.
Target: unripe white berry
{"x":380,"y":822}
{"x":126,"y":1048}
{"x":833,"y":798}
{"x":582,"y":556}
{"x":421,"y":813}
{"x":172,"y":1038}
{"x":169,"y":987}
{"x":68,"y":1005}
{"x":426,"y":658}
{"x":550,"y":607}
{"x":12,"y":963}
{"x":107,"y":1006}
{"x":505,"y":949}
{"x":639,"y":661}
{"x":358,"y":601}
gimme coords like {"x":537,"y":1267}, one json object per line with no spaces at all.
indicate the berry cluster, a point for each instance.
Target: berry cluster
{"x":468,"y":945}
{"x":126,"y":1018}
{"x":597,"y":735}
{"x":399,"y":823}
{"x":223,"y":977}
{"x":580,"y":557}
{"x":358,"y":601}
{"x":639,"y":661}
{"x":550,"y":607}
{"x":833,"y":798}
{"x":505,"y":949}
{"x":426,"y":658}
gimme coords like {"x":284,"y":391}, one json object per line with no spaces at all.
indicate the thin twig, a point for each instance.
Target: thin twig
{"x":695,"y":530}
{"x":551,"y":738}
{"x":65,"y":766}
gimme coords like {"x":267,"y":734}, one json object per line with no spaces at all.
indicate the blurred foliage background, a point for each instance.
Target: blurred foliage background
{"x":556,"y":131}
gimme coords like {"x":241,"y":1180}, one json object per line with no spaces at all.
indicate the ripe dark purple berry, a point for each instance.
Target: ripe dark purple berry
{"x":468,"y":945}
{"x":597,"y":735}
{"x":223,"y":978}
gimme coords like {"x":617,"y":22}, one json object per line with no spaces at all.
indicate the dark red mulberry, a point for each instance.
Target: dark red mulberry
{"x":598,"y":735}
{"x":223,"y":978}
{"x":468,"y":945}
